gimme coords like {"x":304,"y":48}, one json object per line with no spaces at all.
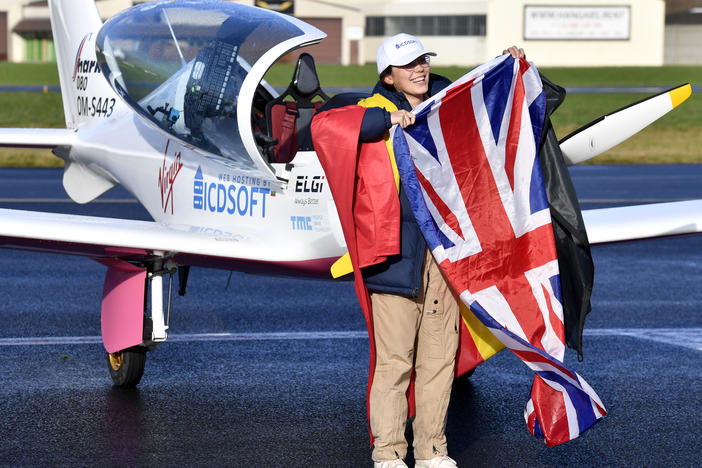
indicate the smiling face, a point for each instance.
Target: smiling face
{"x":412,"y":80}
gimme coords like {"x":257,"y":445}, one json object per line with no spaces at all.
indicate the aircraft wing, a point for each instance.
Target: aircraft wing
{"x":609,"y":130}
{"x":98,"y":237}
{"x":643,"y":221}
{"x":36,"y":137}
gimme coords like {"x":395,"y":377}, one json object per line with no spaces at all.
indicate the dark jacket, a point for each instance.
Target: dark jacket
{"x":400,"y":274}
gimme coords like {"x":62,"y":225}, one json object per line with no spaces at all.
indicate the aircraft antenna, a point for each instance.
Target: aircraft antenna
{"x":170,"y":28}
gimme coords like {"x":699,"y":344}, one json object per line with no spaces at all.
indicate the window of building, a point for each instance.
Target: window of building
{"x":39,"y":49}
{"x":458,"y":25}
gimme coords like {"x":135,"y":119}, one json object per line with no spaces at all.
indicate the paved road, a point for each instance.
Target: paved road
{"x":285,"y":384}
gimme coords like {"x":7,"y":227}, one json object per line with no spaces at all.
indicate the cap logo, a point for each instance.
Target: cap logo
{"x":402,"y":44}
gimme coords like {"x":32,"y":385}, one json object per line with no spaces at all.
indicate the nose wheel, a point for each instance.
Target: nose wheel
{"x":127,"y":366}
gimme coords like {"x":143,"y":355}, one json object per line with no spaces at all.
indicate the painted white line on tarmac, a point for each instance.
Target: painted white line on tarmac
{"x":189,"y":337}
{"x":686,"y":337}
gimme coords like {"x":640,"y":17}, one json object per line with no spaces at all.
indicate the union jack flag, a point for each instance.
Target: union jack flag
{"x":470,"y":168}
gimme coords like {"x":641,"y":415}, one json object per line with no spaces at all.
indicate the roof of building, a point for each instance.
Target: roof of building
{"x":33,"y":25}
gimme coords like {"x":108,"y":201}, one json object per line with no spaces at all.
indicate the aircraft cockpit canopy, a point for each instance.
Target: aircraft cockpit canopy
{"x":181,"y":65}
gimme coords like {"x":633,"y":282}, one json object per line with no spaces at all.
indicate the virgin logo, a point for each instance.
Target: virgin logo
{"x":166,"y":178}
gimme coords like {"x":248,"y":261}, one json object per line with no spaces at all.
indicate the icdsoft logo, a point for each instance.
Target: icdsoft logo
{"x":402,"y":44}
{"x":234,"y":197}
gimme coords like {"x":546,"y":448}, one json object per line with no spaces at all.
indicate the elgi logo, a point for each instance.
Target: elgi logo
{"x":305,"y":185}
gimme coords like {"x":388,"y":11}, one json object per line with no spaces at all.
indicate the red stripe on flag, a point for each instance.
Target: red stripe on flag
{"x":444,"y":210}
{"x":601,"y":409}
{"x":453,"y":92}
{"x":515,"y":124}
{"x":556,"y":322}
{"x":551,"y":412}
{"x":533,"y":356}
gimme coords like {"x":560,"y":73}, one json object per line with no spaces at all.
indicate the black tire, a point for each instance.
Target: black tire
{"x":127,"y":366}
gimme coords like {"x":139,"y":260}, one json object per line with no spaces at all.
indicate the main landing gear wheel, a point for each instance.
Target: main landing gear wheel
{"x":127,"y":366}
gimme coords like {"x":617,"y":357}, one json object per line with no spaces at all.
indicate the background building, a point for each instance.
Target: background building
{"x":464,"y":32}
{"x":683,"y":33}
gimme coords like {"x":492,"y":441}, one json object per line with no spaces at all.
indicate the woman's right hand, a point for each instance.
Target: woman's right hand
{"x":402,"y":118}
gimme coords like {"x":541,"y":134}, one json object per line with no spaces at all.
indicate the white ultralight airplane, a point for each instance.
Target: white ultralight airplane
{"x":168,"y":100}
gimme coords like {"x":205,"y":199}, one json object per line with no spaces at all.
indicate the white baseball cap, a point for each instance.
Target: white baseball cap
{"x":398,"y":50}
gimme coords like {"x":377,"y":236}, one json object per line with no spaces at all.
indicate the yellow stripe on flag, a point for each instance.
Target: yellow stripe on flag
{"x":484,"y":340}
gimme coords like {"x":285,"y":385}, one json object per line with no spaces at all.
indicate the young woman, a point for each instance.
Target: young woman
{"x":415,"y":313}
{"x":411,"y":310}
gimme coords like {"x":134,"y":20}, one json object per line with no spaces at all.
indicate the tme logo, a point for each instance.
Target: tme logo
{"x":166,"y":178}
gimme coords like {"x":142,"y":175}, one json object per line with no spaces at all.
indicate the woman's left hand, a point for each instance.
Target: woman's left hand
{"x":514,"y":51}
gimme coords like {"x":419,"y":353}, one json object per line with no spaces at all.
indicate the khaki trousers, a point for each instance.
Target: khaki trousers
{"x":413,"y":334}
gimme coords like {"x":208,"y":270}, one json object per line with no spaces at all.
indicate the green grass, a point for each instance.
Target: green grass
{"x":28,"y":74}
{"x":625,"y":76}
{"x":36,"y":110}
{"x":28,"y":157}
{"x":675,"y":138}
{"x":26,"y":109}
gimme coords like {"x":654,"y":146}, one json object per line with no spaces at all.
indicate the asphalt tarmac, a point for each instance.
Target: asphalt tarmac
{"x":271,"y":372}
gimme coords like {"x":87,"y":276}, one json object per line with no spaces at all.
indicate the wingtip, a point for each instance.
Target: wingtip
{"x":680,"y":94}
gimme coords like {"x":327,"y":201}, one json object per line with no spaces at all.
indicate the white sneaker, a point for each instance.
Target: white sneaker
{"x":443,"y":461}
{"x":397,"y":463}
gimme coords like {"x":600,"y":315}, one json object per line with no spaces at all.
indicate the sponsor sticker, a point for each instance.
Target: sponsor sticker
{"x":231,"y":195}
{"x":313,"y":223}
{"x":167,"y":174}
{"x":309,"y":184}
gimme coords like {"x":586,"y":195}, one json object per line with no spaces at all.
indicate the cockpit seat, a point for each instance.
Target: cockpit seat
{"x":290,"y":114}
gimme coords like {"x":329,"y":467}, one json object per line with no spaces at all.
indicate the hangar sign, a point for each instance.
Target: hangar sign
{"x":542,"y":22}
